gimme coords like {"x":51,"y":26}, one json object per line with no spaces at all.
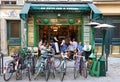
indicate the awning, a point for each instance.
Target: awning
{"x":96,"y":12}
{"x":25,"y":10}
{"x":82,"y":7}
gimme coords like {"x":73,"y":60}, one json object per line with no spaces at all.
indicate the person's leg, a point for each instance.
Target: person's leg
{"x":86,"y":55}
{"x":71,"y":54}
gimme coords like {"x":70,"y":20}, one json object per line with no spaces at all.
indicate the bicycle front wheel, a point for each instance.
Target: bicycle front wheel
{"x":19,"y":72}
{"x":75,"y":71}
{"x":8,"y":74}
{"x":47,"y":72}
{"x":57,"y":62}
{"x":83,"y":69}
{"x":62,"y":73}
{"x":29,"y":74}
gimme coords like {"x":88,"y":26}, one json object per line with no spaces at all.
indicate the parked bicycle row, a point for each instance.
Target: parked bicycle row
{"x":46,"y":64}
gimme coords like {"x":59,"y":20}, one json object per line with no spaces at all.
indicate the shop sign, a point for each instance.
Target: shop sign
{"x":58,"y":8}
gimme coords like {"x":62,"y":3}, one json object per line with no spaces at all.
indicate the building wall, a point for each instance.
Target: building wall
{"x":111,"y":15}
{"x":7,"y":13}
{"x":12,"y":13}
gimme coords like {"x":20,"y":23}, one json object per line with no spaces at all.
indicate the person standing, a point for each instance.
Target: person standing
{"x":56,"y":46}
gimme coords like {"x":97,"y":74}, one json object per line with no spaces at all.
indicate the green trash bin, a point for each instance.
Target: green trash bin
{"x":98,"y":67}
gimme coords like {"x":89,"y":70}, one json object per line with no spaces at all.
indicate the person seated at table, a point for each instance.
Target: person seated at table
{"x":87,"y":50}
{"x":71,"y":49}
{"x":63,"y":48}
{"x":80,"y":48}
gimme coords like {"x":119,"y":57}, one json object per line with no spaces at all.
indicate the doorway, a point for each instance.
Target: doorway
{"x":67,"y":32}
{"x":13,"y":35}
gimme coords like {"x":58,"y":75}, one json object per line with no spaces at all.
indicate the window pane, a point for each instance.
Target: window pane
{"x":116,"y":33}
{"x":14,"y":30}
{"x":98,"y":33}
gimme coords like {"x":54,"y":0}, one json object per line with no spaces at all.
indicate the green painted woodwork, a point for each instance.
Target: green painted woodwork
{"x":103,"y":41}
{"x":35,"y":33}
{"x":13,"y":41}
{"x":44,"y":19}
{"x":60,"y":7}
{"x":82,"y":30}
{"x":26,"y":25}
{"x":71,"y":21}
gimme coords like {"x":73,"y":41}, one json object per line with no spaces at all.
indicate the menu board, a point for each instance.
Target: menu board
{"x":31,"y":31}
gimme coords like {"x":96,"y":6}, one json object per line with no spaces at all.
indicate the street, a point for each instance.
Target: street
{"x":112,"y":75}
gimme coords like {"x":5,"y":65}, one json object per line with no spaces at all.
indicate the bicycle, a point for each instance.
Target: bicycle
{"x":30,"y":65}
{"x":83,"y":67}
{"x":80,"y":66}
{"x":67,"y":57}
{"x":11,"y":67}
{"x":63,"y":68}
{"x":45,"y":66}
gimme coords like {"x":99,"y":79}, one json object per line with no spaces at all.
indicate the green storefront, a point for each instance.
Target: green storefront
{"x":61,"y":20}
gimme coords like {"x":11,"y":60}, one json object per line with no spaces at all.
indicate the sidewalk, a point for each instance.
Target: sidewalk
{"x":112,"y":75}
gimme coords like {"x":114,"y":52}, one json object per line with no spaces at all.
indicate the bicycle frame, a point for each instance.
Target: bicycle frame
{"x":14,"y":61}
{"x":63,"y":67}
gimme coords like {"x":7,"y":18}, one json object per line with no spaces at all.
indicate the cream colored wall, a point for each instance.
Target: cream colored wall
{"x":4,"y":16}
{"x":86,"y":29}
{"x":3,"y":37}
{"x":109,"y":9}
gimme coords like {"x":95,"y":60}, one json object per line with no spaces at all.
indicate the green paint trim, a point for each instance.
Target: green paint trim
{"x":26,"y":26}
{"x":82,"y":29}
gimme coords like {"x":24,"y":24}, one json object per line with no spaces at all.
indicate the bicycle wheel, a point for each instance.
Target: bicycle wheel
{"x":57,"y":62}
{"x":8,"y":74}
{"x":29,"y":74}
{"x":80,"y":66}
{"x":19,"y":72}
{"x":63,"y":70}
{"x":83,"y":68}
{"x":47,"y":72}
{"x":75,"y":70}
{"x":52,"y":68}
{"x":32,"y":69}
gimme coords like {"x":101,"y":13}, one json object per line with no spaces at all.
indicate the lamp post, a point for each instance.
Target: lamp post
{"x":103,"y":28}
{"x":92,"y":25}
{"x":92,"y":60}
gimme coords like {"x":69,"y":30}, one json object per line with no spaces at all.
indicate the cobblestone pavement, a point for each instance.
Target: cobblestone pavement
{"x":112,"y":75}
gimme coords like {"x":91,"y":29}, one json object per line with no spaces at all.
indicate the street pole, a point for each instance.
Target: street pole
{"x":103,"y":41}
